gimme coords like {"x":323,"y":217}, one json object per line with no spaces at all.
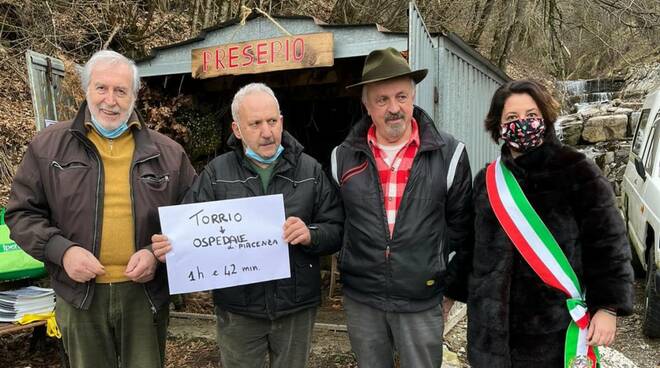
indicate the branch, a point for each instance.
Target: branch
{"x":112,"y":35}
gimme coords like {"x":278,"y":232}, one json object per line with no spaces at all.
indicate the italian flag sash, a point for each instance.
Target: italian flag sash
{"x":540,"y":249}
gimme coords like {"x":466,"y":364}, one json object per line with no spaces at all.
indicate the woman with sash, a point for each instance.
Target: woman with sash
{"x":551,"y":266}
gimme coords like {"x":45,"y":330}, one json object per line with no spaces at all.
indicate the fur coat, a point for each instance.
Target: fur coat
{"x":514,"y":318}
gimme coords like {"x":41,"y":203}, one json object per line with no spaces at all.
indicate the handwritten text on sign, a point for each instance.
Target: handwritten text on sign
{"x":225,"y":243}
{"x":258,"y":56}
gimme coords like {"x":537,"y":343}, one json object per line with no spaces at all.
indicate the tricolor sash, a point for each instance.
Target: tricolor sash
{"x":539,"y":248}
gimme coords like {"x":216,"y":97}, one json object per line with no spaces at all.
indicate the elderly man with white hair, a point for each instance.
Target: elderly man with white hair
{"x":84,"y":201}
{"x":272,"y":318}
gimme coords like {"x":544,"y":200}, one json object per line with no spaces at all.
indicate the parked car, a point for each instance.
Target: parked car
{"x":641,"y":207}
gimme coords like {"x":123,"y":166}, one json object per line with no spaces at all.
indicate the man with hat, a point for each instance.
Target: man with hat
{"x":406,"y":189}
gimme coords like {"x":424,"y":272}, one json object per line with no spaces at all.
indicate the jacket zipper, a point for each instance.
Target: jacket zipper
{"x":135,"y":230}
{"x":96,"y":206}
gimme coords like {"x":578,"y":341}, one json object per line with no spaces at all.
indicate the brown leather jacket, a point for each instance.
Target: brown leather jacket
{"x":56,"y":199}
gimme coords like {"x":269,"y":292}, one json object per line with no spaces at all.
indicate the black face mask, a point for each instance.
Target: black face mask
{"x":523,"y":134}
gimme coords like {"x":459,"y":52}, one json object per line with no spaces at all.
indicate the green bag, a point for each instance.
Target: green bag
{"x":15,"y":264}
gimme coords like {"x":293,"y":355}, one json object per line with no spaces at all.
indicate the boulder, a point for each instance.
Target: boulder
{"x":571,"y":132}
{"x":605,"y":128}
{"x":589,"y":112}
{"x":623,"y":111}
{"x":632,"y":105}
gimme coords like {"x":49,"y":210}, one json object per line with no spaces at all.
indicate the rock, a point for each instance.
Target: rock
{"x":589,"y":112}
{"x":616,"y":102}
{"x":632,"y":105}
{"x":449,"y":358}
{"x":610,"y":109}
{"x":623,"y":111}
{"x":568,"y":118}
{"x":571,"y":132}
{"x":611,"y":358}
{"x":605,"y":128}
{"x":609,"y":157}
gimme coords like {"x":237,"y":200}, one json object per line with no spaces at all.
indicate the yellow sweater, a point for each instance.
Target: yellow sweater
{"x":117,"y":235}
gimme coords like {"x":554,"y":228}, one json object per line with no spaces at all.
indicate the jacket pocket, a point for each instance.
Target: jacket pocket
{"x":158,"y":182}
{"x":68,"y":165}
{"x":308,"y":280}
{"x":65,"y":180}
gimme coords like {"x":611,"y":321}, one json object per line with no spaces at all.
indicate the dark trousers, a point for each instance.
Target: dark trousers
{"x":245,"y":341}
{"x":118,"y":330}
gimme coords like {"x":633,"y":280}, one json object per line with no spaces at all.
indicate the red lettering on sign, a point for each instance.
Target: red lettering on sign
{"x":205,"y":61}
{"x":261,"y":51}
{"x":218,"y":58}
{"x":298,"y":49}
{"x":233,"y":57}
{"x":248,"y":53}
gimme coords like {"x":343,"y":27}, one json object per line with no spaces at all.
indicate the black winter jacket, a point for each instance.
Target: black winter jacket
{"x":308,"y":194}
{"x":435,"y":217}
{"x":514,"y":318}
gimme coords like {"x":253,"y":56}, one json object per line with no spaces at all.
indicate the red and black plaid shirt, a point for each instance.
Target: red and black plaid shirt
{"x":393,"y":178}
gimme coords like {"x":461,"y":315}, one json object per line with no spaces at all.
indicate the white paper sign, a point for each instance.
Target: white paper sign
{"x":225,"y":243}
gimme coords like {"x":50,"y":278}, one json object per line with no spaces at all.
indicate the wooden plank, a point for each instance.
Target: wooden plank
{"x":331,"y":327}
{"x":7,"y":328}
{"x":323,"y":326}
{"x":456,"y":314}
{"x":266,"y":55}
{"x":192,"y":315}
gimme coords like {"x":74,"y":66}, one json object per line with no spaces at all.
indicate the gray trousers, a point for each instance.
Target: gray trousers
{"x":245,"y":341}
{"x":375,"y":336}
{"x":118,"y":329}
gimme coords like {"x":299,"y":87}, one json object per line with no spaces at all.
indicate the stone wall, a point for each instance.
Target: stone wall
{"x":603,"y":132}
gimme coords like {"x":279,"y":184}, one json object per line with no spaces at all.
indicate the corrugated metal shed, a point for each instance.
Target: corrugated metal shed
{"x":456,"y":93}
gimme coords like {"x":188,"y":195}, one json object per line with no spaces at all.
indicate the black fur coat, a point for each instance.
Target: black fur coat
{"x":514,"y":319}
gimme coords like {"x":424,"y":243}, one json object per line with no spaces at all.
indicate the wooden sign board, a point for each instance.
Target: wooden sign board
{"x":259,"y":56}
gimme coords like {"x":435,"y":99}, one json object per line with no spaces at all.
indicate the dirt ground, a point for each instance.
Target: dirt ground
{"x":191,"y":341}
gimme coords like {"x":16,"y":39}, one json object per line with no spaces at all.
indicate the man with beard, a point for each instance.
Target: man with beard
{"x":84,"y":201}
{"x":272,"y":318}
{"x":406,"y":189}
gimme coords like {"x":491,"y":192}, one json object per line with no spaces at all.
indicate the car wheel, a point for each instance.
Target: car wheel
{"x":651,"y":326}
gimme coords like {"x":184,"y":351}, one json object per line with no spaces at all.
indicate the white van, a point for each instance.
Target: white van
{"x":641,"y":207}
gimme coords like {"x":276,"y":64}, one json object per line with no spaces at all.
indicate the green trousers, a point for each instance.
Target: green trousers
{"x":118,"y":330}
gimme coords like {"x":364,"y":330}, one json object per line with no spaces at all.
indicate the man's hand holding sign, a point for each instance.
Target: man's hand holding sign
{"x":218,"y":244}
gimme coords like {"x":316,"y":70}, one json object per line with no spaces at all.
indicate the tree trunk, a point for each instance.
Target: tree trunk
{"x":478,"y":30}
{"x":497,"y":45}
{"x":193,"y":20}
{"x":225,"y":11}
{"x":208,"y":13}
{"x":512,"y":34}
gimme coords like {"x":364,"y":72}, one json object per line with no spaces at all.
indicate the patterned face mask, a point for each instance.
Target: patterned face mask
{"x":524,"y":134}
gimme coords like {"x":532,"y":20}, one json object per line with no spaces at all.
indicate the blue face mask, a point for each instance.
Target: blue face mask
{"x":110,"y":134}
{"x":266,"y":161}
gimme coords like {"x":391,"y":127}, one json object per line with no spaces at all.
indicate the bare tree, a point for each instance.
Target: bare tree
{"x":480,"y":26}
